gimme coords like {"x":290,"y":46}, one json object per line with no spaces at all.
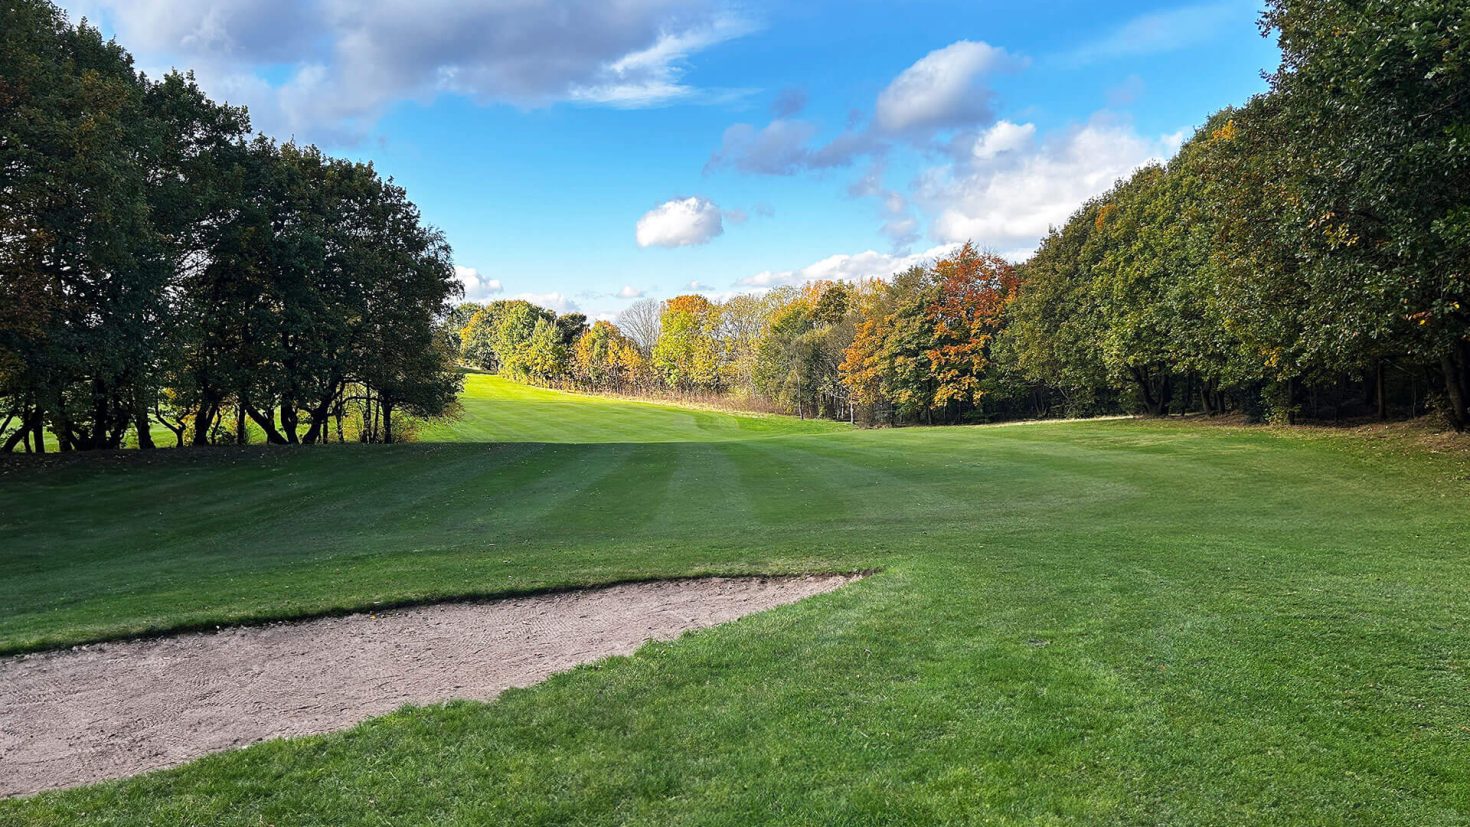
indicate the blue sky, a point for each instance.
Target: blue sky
{"x":586,"y":152}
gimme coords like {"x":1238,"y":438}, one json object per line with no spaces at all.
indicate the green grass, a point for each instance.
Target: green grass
{"x":1106,"y":622}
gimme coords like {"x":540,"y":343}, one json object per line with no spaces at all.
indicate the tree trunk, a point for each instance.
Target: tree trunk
{"x":1380,"y":398}
{"x":145,"y":432}
{"x":1455,"y":389}
{"x":368,"y":417}
{"x":203,"y":420}
{"x":289,"y":420}
{"x":387,"y":408}
{"x":266,"y":423}
{"x":142,"y":423}
{"x":15,"y":439}
{"x":318,"y":423}
{"x":1145,"y":387}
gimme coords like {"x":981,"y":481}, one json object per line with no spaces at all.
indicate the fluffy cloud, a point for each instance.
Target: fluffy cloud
{"x":630,"y":292}
{"x":476,"y":286}
{"x":1002,"y":138}
{"x":255,"y":31}
{"x":347,"y":61}
{"x":943,"y":89}
{"x":681,"y":222}
{"x":870,"y":264}
{"x":557,"y":301}
{"x":1008,"y":200}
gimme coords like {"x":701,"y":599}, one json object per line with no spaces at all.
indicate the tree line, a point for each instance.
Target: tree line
{"x":1304,"y":254}
{"x":161,"y":267}
{"x":912,"y":348}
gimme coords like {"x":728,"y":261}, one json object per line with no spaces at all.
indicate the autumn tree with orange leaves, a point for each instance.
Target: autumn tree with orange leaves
{"x":974,"y":289}
{"x":922,"y":347}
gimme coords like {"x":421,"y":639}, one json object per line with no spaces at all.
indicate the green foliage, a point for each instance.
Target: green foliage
{"x":518,"y":352}
{"x":81,"y":265}
{"x":685,"y":354}
{"x":1371,"y":118}
{"x":799,"y":352}
{"x":1311,"y":243}
{"x":163,"y":268}
{"x":605,"y":359}
{"x":477,"y":337}
{"x":1053,"y":335}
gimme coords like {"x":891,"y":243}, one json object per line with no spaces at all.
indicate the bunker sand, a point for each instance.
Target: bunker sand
{"x":116,"y":709}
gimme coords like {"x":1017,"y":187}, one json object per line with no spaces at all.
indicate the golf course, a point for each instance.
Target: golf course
{"x":1113,"y":621}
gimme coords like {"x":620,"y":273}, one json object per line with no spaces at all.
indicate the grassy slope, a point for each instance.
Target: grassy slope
{"x":1084,"y":622}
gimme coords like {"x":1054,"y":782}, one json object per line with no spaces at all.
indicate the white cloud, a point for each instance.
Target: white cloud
{"x":1003,"y":137}
{"x":251,"y":30}
{"x":651,"y":76}
{"x":330,"y":68}
{"x":780,"y":148}
{"x":1008,"y":201}
{"x":681,"y":222}
{"x":476,"y":286}
{"x":554,"y":300}
{"x":943,"y":89}
{"x":869,"y":264}
{"x":696,"y":285}
{"x":1166,"y":31}
{"x":630,"y":292}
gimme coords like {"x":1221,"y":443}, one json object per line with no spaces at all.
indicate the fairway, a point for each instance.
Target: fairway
{"x":1088,"y":622}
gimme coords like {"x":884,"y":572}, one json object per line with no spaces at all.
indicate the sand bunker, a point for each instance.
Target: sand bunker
{"x":116,"y":709}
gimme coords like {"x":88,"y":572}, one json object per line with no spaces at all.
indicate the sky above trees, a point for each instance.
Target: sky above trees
{"x":582,"y":154}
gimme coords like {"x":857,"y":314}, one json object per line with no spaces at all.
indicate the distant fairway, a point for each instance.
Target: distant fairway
{"x":499,"y":411}
{"x":1097,"y":622}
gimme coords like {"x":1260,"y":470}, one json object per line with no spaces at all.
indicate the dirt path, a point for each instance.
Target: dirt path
{"x":116,"y":709}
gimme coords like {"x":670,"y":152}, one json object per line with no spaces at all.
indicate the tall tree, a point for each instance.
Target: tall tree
{"x":640,"y":322}
{"x":973,"y":290}
{"x":1053,"y":330}
{"x":76,"y":243}
{"x":685,"y":353}
{"x":1375,"y":116}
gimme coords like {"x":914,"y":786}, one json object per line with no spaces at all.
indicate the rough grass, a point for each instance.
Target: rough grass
{"x":1112,"y":622}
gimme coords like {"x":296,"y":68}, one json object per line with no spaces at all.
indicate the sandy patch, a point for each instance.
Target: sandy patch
{"x":115,"y":709}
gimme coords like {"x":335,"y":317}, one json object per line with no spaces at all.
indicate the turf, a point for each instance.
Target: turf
{"x":1107,"y":622}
